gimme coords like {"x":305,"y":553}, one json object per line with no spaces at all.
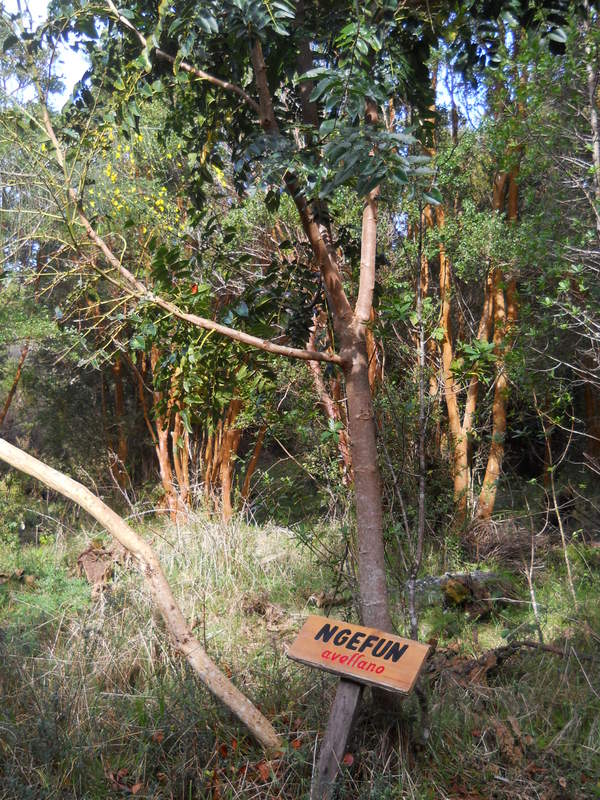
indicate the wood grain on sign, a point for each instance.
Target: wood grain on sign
{"x":362,"y":654}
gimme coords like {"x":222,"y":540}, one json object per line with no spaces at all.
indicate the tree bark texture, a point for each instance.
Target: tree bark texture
{"x":219,"y":454}
{"x":505,"y":317}
{"x":252,"y":464}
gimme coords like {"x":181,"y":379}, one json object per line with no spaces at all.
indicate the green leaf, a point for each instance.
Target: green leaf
{"x":137,"y":342}
{"x":558,"y":35}
{"x":327,"y":127}
{"x":242,"y":309}
{"x":433,"y":196}
{"x":9,"y":42}
{"x":272,"y":200}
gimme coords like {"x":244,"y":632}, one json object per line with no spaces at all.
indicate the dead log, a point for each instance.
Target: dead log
{"x":181,"y":633}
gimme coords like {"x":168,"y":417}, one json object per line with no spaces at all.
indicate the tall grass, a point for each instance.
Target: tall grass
{"x":95,"y":704}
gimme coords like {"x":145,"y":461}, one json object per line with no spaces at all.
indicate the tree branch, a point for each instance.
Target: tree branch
{"x":181,"y":633}
{"x":143,"y":292}
{"x":15,"y":383}
{"x":483,"y":334}
{"x":324,"y":254}
{"x":198,"y":73}
{"x":368,"y":250}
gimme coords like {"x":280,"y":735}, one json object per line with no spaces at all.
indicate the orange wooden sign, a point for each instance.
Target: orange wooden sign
{"x":360,"y":654}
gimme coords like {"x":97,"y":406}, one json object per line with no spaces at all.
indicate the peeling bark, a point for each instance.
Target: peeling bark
{"x":229,"y":445}
{"x":505,"y":314}
{"x":505,"y":317}
{"x":162,"y":425}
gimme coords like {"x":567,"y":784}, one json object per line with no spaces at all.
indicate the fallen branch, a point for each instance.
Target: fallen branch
{"x":475,"y":670}
{"x":181,"y":633}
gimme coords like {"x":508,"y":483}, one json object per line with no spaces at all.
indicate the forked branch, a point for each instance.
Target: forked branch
{"x":143,"y":292}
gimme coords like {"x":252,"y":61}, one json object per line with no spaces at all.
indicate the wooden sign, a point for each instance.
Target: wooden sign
{"x":360,"y":654}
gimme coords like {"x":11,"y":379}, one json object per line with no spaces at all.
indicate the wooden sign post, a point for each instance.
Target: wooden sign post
{"x":359,"y":655}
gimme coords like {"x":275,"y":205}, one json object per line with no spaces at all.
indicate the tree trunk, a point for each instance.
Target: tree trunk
{"x":351,"y":330}
{"x":591,"y":70}
{"x":252,"y":464}
{"x":331,"y":409}
{"x":181,"y":634}
{"x":208,"y":463}
{"x":460,"y":455}
{"x":15,"y":383}
{"x":591,"y":397}
{"x":591,"y":393}
{"x":122,"y":449}
{"x":162,"y":424}
{"x":367,"y":485}
{"x":505,"y":316}
{"x":180,"y":439}
{"x":505,"y":313}
{"x":229,"y":445}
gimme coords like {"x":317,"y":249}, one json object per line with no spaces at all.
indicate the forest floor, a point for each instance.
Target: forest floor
{"x":95,"y":704}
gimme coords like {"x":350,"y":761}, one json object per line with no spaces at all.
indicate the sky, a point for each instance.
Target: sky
{"x":70,"y":66}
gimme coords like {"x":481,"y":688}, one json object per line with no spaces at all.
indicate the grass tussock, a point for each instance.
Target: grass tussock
{"x":95,"y":704}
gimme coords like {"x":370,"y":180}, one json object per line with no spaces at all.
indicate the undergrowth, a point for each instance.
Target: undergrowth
{"x":96,"y":704}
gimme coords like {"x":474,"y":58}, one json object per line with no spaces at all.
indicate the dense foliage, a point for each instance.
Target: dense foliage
{"x":271,"y":257}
